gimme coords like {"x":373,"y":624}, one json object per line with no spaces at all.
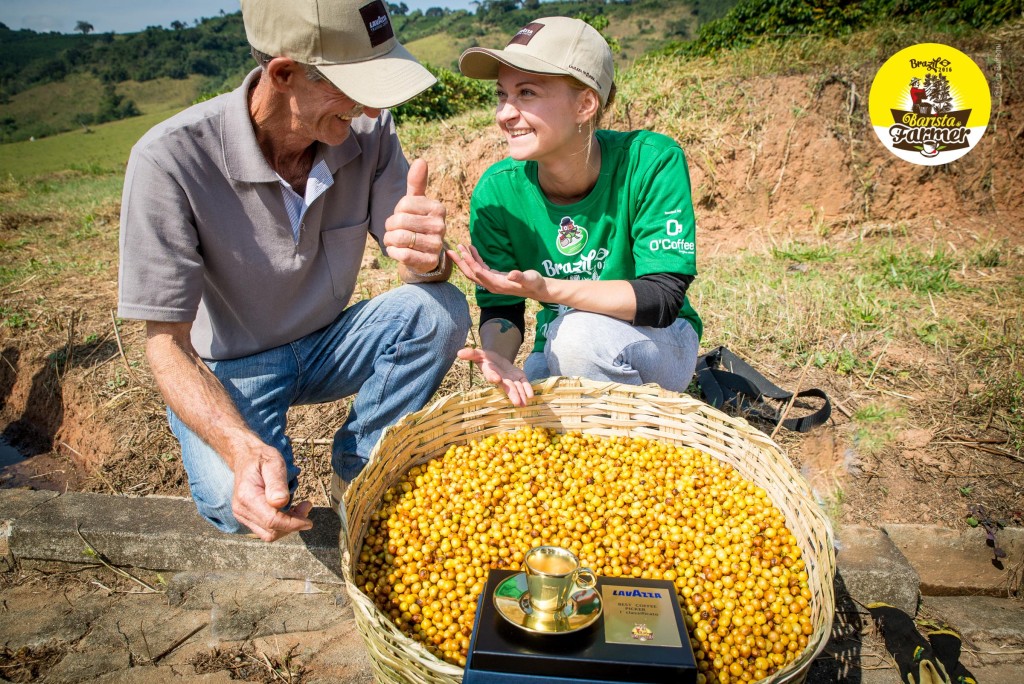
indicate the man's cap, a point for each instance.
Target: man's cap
{"x":552,"y":45}
{"x":351,"y":42}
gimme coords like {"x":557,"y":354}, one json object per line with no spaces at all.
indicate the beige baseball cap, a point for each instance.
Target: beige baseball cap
{"x":552,"y":45}
{"x":351,"y":42}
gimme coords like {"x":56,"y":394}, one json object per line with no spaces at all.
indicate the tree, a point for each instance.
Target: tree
{"x":177,"y":25}
{"x":600,"y":22}
{"x":83,"y":27}
{"x":937,"y":88}
{"x":398,"y":9}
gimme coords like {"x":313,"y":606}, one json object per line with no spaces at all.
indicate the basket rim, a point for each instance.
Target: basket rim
{"x":548,"y":392}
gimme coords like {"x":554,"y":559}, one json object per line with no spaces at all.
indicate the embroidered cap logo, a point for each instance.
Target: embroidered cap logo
{"x":378,"y":26}
{"x":525,"y":34}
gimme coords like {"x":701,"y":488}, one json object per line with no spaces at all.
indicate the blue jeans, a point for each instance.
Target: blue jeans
{"x":392,"y":351}
{"x":598,"y":347}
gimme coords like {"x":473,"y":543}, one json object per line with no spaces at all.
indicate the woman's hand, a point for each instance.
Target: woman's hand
{"x":528,"y":284}
{"x":499,"y":371}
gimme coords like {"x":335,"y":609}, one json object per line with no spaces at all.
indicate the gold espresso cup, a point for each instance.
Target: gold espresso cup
{"x":553,"y":574}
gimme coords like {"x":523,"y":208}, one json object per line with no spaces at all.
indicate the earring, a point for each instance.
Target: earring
{"x":579,"y":128}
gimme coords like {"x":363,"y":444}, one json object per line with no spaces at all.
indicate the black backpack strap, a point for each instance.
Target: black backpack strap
{"x":727,"y":380}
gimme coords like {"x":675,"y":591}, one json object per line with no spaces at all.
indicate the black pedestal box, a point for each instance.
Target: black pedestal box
{"x":501,"y":652}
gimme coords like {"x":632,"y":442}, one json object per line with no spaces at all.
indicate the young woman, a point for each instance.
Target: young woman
{"x":595,"y":225}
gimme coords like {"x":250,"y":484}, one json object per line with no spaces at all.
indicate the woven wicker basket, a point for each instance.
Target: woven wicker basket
{"x":566,"y":404}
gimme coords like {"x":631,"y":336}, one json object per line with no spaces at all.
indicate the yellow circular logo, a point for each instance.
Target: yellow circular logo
{"x":930,"y":104}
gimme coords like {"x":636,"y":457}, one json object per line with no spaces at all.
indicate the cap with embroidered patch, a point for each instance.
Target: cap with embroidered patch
{"x":552,"y":45}
{"x":351,"y":42}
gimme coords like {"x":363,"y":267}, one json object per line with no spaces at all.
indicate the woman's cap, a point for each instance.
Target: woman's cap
{"x":552,"y":45}
{"x":351,"y":42}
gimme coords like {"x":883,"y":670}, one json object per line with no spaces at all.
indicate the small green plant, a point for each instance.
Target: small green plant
{"x":13,"y":319}
{"x":867,"y":311}
{"x":988,"y":256}
{"x":833,"y":504}
{"x":452,"y":94}
{"x":978,"y":515}
{"x":843,"y":361}
{"x":118,"y":381}
{"x":911,"y":269}
{"x":929,"y":333}
{"x":802,"y":253}
{"x":876,"y":426}
{"x":87,"y":230}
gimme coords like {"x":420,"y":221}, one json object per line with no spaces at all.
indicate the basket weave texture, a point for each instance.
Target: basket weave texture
{"x":600,"y":408}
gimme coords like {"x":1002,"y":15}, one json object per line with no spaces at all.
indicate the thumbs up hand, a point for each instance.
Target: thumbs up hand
{"x":414,"y":234}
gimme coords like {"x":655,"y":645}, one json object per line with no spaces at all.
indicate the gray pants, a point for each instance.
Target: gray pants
{"x":599,"y":347}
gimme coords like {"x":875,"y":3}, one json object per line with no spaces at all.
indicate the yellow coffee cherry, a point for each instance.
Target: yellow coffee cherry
{"x":628,"y":507}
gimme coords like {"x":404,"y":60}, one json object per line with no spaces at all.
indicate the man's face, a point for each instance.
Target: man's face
{"x":322,"y":112}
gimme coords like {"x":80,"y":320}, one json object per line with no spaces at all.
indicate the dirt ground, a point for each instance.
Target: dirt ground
{"x":77,"y":398}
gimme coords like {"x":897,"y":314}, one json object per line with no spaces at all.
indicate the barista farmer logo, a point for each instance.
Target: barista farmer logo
{"x":929,"y":104}
{"x":641,"y":632}
{"x":571,"y":238}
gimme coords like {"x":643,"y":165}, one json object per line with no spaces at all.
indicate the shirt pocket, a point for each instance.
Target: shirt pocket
{"x":343,"y":249}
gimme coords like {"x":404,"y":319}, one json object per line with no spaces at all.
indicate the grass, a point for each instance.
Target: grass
{"x":804,"y":253}
{"x":43,"y":111}
{"x":879,"y":313}
{"x":162,"y":94}
{"x":103,"y":149}
{"x":876,"y":426}
{"x":439,"y":49}
{"x":844,"y":289}
{"x":910,"y":268}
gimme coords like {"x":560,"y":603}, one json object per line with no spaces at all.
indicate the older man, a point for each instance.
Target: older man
{"x":243,"y":224}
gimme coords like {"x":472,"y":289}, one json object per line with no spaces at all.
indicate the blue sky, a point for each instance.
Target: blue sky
{"x":128,"y":16}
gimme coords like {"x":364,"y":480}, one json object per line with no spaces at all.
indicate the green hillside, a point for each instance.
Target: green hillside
{"x":96,"y":150}
{"x":50,"y":83}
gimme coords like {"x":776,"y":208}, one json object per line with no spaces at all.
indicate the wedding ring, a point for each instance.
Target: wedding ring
{"x":412,"y":245}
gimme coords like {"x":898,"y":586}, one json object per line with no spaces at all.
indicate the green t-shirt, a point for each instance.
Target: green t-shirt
{"x":637,"y":220}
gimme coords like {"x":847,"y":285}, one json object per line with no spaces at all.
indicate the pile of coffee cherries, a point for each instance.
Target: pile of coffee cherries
{"x":627,"y":507}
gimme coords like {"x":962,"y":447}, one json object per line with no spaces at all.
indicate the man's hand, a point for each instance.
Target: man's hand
{"x":529,"y":284}
{"x":261,"y":491}
{"x":415,"y":232}
{"x":501,"y":372}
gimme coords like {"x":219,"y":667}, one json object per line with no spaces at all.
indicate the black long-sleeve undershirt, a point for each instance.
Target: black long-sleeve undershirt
{"x":659,"y":296}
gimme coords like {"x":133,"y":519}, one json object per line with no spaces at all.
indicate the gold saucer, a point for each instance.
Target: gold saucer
{"x":512,"y":599}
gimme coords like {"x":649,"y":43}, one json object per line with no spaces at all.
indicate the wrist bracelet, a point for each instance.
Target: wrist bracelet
{"x":437,"y":271}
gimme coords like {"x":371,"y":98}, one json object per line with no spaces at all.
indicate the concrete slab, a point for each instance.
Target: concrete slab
{"x":15,"y":503}
{"x":104,"y":653}
{"x":997,"y":673}
{"x":872,"y":569}
{"x":956,"y":563}
{"x":987,"y":623}
{"x":32,"y":617}
{"x":164,"y":675}
{"x":160,"y":534}
{"x":854,"y":653}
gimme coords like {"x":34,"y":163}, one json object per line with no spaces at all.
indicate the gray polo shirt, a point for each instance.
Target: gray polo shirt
{"x":205,"y":233}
